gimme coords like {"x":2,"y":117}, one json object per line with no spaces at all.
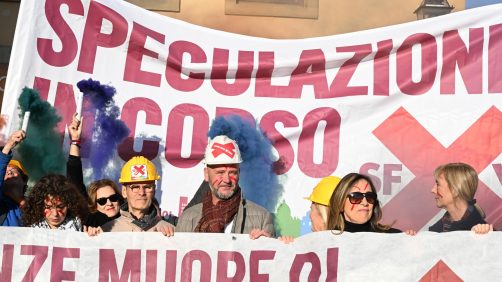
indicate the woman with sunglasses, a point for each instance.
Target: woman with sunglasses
{"x":104,"y":202}
{"x":103,"y":195}
{"x":354,"y":206}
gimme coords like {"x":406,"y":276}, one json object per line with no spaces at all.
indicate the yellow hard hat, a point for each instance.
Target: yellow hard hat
{"x":323,"y":190}
{"x":18,"y":165}
{"x":138,"y":169}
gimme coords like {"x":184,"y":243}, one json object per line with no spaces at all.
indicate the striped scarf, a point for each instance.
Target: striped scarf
{"x":216,"y":217}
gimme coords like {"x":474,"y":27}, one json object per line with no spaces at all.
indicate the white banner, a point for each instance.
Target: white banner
{"x":393,"y":102}
{"x":46,"y":255}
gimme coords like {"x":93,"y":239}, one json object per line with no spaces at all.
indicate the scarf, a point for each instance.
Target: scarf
{"x":69,"y":223}
{"x":148,"y":221}
{"x":216,"y":217}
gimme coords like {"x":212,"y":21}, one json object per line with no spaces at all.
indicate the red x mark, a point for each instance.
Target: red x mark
{"x":227,"y":149}
{"x":139,"y":169}
{"x":440,"y":272}
{"x":418,"y":150}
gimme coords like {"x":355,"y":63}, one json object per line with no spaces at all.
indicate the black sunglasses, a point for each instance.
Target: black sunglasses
{"x":357,"y":197}
{"x":113,"y":198}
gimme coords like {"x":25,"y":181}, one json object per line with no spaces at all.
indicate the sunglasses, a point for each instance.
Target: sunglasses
{"x":113,"y":198}
{"x":357,"y":197}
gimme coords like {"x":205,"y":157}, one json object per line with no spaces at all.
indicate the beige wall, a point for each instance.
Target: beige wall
{"x":335,"y":17}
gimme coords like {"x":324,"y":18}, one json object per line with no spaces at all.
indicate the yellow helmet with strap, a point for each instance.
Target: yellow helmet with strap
{"x":323,"y":190}
{"x":138,"y":169}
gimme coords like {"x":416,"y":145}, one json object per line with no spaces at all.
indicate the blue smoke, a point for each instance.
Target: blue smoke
{"x":257,"y":179}
{"x":108,"y":130}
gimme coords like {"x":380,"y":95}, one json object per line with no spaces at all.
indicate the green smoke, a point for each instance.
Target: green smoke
{"x":41,"y":152}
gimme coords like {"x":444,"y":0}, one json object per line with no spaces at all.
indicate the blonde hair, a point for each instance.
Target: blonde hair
{"x":337,"y":202}
{"x":323,"y":211}
{"x":462,"y":180}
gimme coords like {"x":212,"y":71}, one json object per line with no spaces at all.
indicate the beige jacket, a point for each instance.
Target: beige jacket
{"x":124,"y":223}
{"x":257,"y":217}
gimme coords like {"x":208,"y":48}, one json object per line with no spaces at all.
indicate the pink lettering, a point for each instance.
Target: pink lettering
{"x":58,"y":256}
{"x":40,"y":255}
{"x":69,"y":43}
{"x":135,"y":52}
{"x":187,"y":264}
{"x":404,"y":68}
{"x":254,"y":264}
{"x":222,"y":269}
{"x":174,"y":66}
{"x":93,"y":38}
{"x":175,"y":134}
{"x":470,"y":63}
{"x":130,"y":110}
{"x":298,"y":263}
{"x":108,"y":266}
{"x":219,"y":72}
{"x":340,"y":85}
{"x":331,"y":142}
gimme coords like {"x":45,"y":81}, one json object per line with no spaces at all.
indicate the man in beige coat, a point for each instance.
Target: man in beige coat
{"x":138,"y":178}
{"x":223,"y":208}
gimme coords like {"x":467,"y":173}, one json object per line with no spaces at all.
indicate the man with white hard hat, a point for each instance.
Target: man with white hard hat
{"x":223,"y":208}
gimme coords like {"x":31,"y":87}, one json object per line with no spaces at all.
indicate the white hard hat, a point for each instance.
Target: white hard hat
{"x":222,"y":150}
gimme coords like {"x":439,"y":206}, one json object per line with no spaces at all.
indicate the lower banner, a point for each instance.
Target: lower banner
{"x":45,"y":255}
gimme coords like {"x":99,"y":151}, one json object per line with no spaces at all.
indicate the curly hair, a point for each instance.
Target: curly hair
{"x":337,"y":201}
{"x":93,"y":190}
{"x":56,"y":186}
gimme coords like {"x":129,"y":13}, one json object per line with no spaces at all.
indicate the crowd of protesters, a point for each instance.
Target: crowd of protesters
{"x":342,"y":205}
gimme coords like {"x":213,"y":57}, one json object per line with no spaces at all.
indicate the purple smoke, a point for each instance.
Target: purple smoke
{"x":108,"y":131}
{"x":257,"y":179}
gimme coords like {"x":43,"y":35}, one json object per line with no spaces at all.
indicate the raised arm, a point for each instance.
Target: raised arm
{"x":74,"y":163}
{"x":6,"y":155}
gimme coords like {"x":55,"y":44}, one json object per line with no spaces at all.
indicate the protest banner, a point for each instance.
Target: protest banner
{"x":45,"y":255}
{"x":393,"y":102}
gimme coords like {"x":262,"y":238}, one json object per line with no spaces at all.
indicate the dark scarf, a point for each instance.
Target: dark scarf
{"x":98,"y":219}
{"x":366,"y":227}
{"x":216,"y":217}
{"x":354,"y":227}
{"x":148,"y":220}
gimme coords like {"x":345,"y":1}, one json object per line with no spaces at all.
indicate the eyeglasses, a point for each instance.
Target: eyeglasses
{"x":113,"y":198}
{"x":135,"y":187}
{"x":357,"y":197}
